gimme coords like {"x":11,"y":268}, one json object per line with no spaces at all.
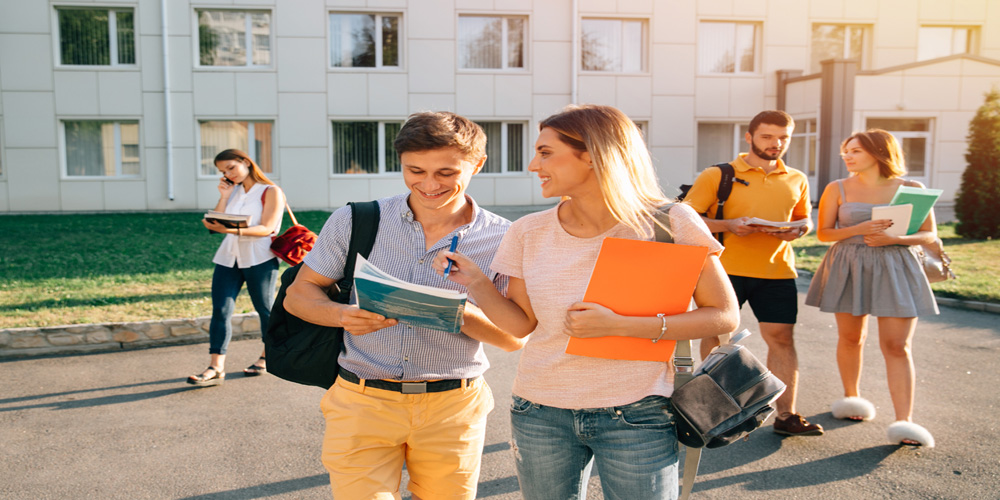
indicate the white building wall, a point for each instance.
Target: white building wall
{"x":302,"y":95}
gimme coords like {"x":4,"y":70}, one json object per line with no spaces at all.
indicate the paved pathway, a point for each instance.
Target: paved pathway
{"x":125,"y":425}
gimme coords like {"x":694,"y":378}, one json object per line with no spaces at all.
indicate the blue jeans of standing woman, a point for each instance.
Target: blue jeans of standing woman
{"x":634,"y":446}
{"x":226,"y":285}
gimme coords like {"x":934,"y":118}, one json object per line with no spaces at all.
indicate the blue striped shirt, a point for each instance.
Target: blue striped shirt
{"x":403,"y":352}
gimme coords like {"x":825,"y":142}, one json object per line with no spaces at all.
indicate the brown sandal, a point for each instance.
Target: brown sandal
{"x":256,"y":369}
{"x":211,"y":376}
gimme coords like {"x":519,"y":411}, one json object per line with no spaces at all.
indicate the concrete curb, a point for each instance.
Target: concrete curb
{"x":108,"y":337}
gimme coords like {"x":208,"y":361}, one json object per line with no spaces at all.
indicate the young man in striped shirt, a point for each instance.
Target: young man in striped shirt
{"x":409,"y":395}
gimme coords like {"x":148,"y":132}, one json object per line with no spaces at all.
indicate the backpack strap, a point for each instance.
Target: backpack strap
{"x":725,"y":189}
{"x":364,"y":228}
{"x":683,"y":362}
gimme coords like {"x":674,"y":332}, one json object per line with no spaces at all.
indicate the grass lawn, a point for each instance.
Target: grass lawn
{"x":73,"y":269}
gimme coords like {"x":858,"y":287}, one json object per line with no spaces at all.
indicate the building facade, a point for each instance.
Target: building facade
{"x":91,"y":119}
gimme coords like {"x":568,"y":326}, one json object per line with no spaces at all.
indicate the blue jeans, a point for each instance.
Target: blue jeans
{"x":634,"y":446}
{"x":226,"y":285}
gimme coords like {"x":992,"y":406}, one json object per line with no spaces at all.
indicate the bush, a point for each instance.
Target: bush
{"x":979,"y":194}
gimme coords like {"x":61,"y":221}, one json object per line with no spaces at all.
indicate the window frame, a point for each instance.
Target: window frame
{"x":738,"y":140}
{"x":379,"y":50}
{"x":248,"y":37}
{"x":972,"y":41}
{"x":112,"y":37}
{"x":117,"y":121}
{"x":504,"y":146}
{"x":927,"y":135}
{"x":806,"y":129}
{"x":758,"y":35}
{"x":504,"y":48}
{"x":645,"y":45}
{"x":867,"y":31}
{"x":380,"y":144}
{"x":251,"y":152}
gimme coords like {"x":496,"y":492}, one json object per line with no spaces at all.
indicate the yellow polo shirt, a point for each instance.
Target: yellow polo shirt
{"x":782,"y":195}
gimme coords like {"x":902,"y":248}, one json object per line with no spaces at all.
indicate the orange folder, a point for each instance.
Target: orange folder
{"x":640,"y":278}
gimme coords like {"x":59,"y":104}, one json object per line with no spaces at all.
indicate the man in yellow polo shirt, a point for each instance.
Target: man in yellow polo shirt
{"x":759,"y":260}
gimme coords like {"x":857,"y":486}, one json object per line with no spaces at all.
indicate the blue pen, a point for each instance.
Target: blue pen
{"x":454,"y":245}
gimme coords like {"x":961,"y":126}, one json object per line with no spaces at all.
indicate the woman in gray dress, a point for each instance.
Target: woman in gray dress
{"x":868,"y":272}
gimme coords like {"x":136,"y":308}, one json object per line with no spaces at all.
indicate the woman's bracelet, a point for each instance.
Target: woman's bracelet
{"x":663,"y":326}
{"x":238,"y":232}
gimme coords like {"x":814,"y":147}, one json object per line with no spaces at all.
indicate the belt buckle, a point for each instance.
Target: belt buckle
{"x":413,"y":387}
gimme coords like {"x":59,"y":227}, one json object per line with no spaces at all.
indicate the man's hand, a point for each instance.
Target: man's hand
{"x":740,"y":226}
{"x":357,"y":321}
{"x":790,"y":234}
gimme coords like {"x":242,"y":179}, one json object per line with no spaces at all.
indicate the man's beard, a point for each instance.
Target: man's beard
{"x":763,"y":154}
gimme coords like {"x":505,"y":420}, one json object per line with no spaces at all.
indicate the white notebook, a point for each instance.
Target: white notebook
{"x":898,"y":214}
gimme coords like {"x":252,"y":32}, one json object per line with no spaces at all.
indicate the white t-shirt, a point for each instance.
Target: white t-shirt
{"x":247,"y":251}
{"x":556,"y":269}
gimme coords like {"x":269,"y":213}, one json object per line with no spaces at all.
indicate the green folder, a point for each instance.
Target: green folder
{"x":922,"y":199}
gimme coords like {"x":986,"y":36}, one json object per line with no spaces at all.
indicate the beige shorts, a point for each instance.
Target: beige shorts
{"x":371,"y":433}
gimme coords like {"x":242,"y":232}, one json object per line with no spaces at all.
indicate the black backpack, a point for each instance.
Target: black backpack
{"x":303,"y":352}
{"x":725,"y":189}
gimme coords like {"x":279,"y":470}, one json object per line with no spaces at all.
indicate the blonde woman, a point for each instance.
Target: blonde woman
{"x":569,"y":412}
{"x":244,"y":256}
{"x":867,"y":272}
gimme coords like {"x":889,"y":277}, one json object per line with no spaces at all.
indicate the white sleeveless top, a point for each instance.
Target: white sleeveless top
{"x":247,"y":251}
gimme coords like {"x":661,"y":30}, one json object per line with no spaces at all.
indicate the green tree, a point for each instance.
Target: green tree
{"x":976,"y":206}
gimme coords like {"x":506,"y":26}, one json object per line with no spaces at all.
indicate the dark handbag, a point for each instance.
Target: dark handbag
{"x":728,"y":397}
{"x":936,"y":263}
{"x":293,"y":245}
{"x":303,"y":352}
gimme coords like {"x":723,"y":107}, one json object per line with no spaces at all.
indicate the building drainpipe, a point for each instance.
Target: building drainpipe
{"x":166,"y":100}
{"x":576,"y":51}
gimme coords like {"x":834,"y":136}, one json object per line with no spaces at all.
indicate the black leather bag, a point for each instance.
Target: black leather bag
{"x":303,"y":352}
{"x":728,"y":397}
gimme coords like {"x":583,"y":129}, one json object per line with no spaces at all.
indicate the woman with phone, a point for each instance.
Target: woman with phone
{"x":572,"y":412}
{"x":244,"y":256}
{"x":868,"y":272}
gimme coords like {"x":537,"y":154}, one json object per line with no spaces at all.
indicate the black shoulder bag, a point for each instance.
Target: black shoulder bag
{"x":303,"y":352}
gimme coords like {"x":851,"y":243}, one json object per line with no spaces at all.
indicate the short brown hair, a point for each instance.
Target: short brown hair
{"x":441,"y":129}
{"x":771,"y":117}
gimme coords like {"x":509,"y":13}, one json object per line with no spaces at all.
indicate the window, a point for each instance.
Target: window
{"x":365,"y":147}
{"x":719,"y":142}
{"x":252,"y":137}
{"x":226,"y":36}
{"x":727,"y":47}
{"x":364,"y":40}
{"x":101,"y":148}
{"x":941,"y":41}
{"x":838,"y":41}
{"x":615,"y":45}
{"x":914,"y":136}
{"x":802,"y":152}
{"x":491,"y":42}
{"x":505,"y":147}
{"x":96,"y":37}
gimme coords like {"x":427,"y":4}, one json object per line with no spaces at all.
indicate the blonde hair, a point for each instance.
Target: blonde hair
{"x":255,"y":172}
{"x":621,"y":161}
{"x":884,"y":147}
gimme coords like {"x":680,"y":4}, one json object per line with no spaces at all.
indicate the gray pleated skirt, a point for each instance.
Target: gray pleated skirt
{"x":882,"y":281}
